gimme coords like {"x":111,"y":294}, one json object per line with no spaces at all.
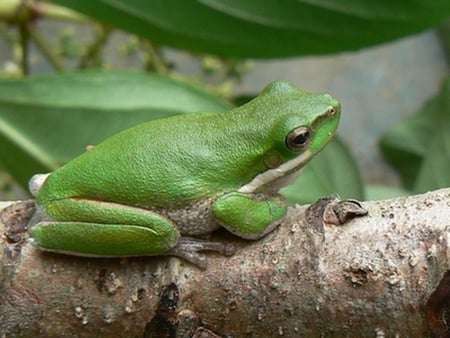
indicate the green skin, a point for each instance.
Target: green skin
{"x":146,"y":190}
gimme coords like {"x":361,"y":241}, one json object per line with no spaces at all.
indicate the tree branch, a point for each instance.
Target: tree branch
{"x":384,"y":274}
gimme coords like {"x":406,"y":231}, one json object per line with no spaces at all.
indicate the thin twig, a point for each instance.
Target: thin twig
{"x":24,"y":48}
{"x":45,"y":48}
{"x":154,"y":60}
{"x":96,"y":47}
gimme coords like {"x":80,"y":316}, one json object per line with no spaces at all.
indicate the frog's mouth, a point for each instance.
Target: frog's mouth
{"x":273,"y":174}
{"x":324,"y":127}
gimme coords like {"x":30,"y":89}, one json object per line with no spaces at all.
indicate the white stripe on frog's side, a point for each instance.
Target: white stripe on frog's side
{"x":275,"y":173}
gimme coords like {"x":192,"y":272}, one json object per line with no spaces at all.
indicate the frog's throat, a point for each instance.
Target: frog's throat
{"x":275,"y":173}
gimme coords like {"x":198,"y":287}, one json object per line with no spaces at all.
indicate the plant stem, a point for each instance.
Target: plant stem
{"x":45,"y":48}
{"x":154,"y":61}
{"x":24,"y":50}
{"x":95,"y":48}
{"x":52,"y":11}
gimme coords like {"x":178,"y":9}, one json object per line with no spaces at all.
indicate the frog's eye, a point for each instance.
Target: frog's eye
{"x":298,"y":139}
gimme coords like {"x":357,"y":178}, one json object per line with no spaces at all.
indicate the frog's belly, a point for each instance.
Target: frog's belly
{"x":193,"y":220}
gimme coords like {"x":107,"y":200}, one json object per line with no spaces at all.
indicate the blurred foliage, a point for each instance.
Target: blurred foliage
{"x":47,"y":120}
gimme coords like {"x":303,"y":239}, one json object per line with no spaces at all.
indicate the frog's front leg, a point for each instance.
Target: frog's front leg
{"x":104,"y":229}
{"x":248,"y":215}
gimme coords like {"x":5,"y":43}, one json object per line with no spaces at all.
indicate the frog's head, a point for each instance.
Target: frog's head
{"x":301,"y":124}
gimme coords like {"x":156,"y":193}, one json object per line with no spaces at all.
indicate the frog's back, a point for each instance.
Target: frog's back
{"x":158,"y":163}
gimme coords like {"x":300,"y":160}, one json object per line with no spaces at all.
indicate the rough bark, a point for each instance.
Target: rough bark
{"x":385,"y":274}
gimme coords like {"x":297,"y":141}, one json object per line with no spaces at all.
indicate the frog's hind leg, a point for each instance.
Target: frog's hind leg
{"x":104,"y":229}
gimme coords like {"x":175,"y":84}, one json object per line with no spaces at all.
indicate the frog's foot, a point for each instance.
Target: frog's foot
{"x":188,"y":248}
{"x":332,"y":210}
{"x":247,"y":216}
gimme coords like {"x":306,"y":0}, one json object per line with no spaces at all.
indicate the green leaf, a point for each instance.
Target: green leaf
{"x":405,"y":144}
{"x":268,"y":29}
{"x":419,"y":148}
{"x":333,"y":170}
{"x":47,"y":120}
{"x":435,"y":170}
{"x":381,"y":192}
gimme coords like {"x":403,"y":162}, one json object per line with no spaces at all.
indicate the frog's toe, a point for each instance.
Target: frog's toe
{"x":189,"y":249}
